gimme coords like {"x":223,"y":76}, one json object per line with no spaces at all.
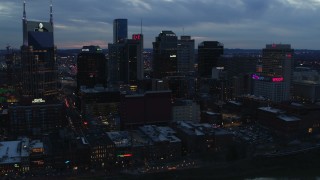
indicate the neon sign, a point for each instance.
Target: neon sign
{"x":124,"y":155}
{"x":261,"y":78}
{"x":254,"y":76}
{"x":136,"y":36}
{"x":277,"y":79}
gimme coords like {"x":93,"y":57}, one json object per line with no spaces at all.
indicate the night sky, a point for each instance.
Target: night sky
{"x":235,"y":23}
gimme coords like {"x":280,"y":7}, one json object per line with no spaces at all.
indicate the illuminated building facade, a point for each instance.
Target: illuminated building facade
{"x":274,"y":81}
{"x":165,"y":54}
{"x":38,"y":54}
{"x":92,"y":67}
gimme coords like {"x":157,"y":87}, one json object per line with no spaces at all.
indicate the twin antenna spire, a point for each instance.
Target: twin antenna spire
{"x":25,"y":14}
{"x":24,"y":10}
{"x":51,"y":14}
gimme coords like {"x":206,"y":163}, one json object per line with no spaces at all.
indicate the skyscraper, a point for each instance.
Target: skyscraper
{"x":134,"y":62}
{"x":185,"y":54}
{"x":140,"y":61}
{"x":92,"y":67}
{"x":208,"y":55}
{"x":120,"y":30}
{"x":117,"y":63}
{"x":39,"y":71}
{"x":38,"y":112}
{"x":274,"y":81}
{"x":165,"y":54}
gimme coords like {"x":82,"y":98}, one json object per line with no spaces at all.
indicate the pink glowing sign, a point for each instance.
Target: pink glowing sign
{"x":254,"y":76}
{"x":136,"y":36}
{"x":277,"y":79}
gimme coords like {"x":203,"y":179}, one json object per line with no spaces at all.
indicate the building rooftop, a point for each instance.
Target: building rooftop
{"x":270,"y":109}
{"x":12,"y":151}
{"x":36,"y":144}
{"x":297,"y":104}
{"x":120,"y":138}
{"x":288,"y":118}
{"x":197,"y":129}
{"x":159,"y":134}
{"x":235,"y":103}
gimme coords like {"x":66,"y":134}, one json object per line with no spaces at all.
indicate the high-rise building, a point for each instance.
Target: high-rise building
{"x":133,"y":61}
{"x":208,"y":54}
{"x":274,"y":81}
{"x":120,"y":30}
{"x":92,"y":67}
{"x":116,"y":63}
{"x":38,"y":54}
{"x":185,"y":54}
{"x":165,"y":54}
{"x":140,"y":61}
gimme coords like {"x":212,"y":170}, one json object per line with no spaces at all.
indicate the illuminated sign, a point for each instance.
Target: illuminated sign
{"x":277,"y":79}
{"x":289,"y":55}
{"x":256,"y":77}
{"x":37,"y":150}
{"x":136,"y":36}
{"x":220,"y":68}
{"x":38,"y":100}
{"x":172,"y":56}
{"x":262,"y":78}
{"x":85,"y":50}
{"x":124,"y":155}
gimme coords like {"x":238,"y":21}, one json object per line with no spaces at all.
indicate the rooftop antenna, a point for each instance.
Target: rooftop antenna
{"x":24,"y":11}
{"x":51,"y":16}
{"x":141,"y":26}
{"x":183,"y":31}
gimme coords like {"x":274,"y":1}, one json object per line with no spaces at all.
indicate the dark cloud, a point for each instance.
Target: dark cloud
{"x":236,"y":23}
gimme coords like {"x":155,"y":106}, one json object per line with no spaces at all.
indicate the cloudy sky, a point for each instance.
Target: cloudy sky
{"x":235,"y":23}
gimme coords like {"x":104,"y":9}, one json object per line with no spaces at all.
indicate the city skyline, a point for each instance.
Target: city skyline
{"x":237,"y":24}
